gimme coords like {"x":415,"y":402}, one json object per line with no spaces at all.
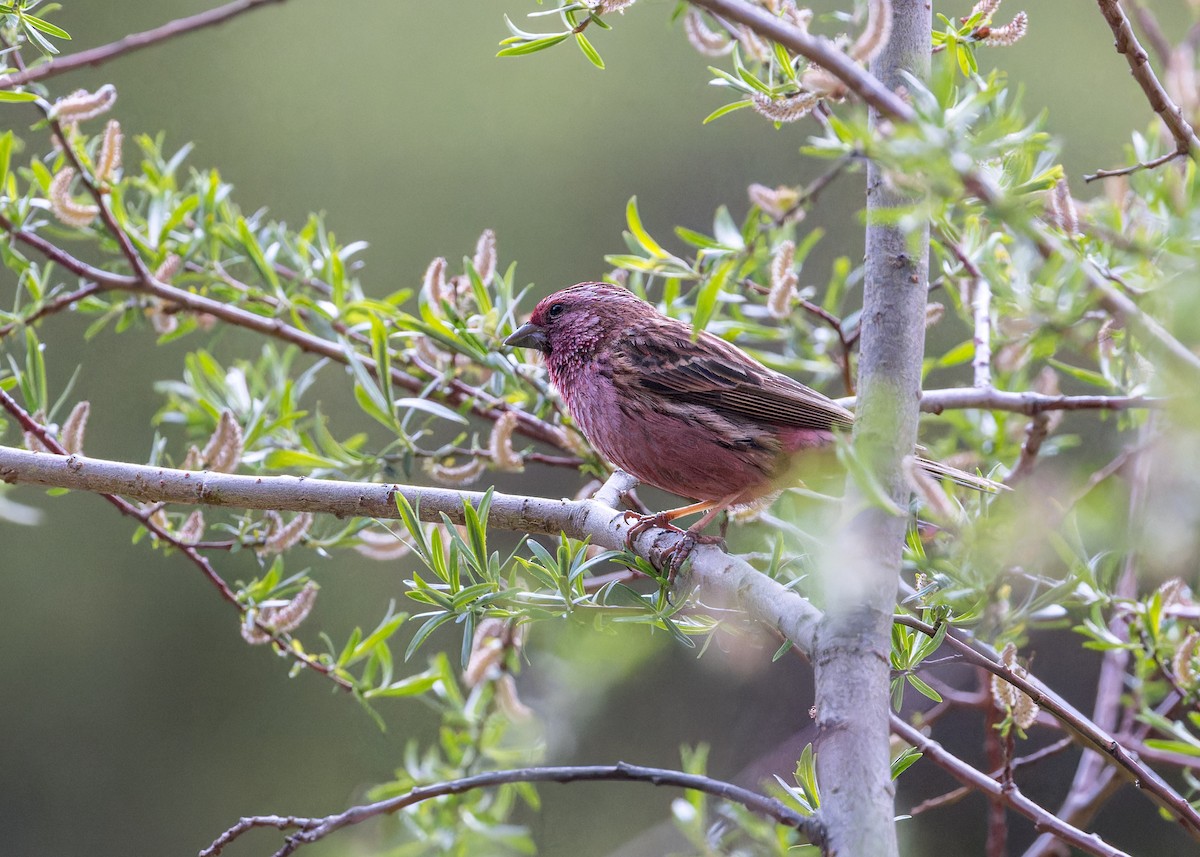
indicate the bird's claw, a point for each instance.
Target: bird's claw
{"x":681,"y":550}
{"x":641,"y":523}
{"x":678,"y":552}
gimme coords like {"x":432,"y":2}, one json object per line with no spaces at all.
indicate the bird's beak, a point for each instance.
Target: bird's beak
{"x":528,"y":335}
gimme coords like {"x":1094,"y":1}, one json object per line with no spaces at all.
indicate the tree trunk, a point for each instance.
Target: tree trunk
{"x":860,"y":577}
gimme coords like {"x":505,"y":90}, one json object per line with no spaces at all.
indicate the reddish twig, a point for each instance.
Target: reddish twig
{"x":1010,"y":797}
{"x":1035,"y":434}
{"x":1172,"y":116}
{"x":133,"y":42}
{"x":1085,"y":730}
{"x":58,"y":304}
{"x":816,"y":48}
{"x":1151,"y":29}
{"x":314,"y":829}
{"x":144,"y":517}
{"x":955,"y":795}
{"x":1138,"y":167}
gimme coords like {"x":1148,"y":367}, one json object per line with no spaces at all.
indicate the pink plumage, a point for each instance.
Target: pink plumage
{"x":693,"y":415}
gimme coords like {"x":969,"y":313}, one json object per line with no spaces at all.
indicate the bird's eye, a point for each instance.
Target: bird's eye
{"x":556,"y":310}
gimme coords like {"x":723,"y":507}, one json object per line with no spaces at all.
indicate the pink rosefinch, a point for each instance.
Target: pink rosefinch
{"x":690,"y":414}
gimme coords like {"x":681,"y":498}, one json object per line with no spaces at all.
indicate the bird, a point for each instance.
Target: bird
{"x":681,"y":409}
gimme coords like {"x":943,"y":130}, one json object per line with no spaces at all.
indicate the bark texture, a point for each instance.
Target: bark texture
{"x":861,"y":575}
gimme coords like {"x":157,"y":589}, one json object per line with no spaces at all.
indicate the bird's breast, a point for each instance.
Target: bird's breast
{"x":688,"y":449}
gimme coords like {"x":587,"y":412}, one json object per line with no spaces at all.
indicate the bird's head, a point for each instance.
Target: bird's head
{"x":578,"y":319}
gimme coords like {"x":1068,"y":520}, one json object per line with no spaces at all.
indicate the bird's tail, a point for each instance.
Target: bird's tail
{"x":961,"y":477}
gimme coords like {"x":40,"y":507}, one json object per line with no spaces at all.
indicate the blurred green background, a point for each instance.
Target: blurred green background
{"x":133,"y":720}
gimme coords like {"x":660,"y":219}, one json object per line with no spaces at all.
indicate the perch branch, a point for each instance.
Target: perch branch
{"x":712,"y":570}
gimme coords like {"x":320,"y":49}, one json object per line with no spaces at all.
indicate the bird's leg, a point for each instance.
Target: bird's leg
{"x":641,"y":523}
{"x":692,"y":536}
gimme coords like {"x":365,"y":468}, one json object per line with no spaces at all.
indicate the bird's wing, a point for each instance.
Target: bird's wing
{"x":709,"y":371}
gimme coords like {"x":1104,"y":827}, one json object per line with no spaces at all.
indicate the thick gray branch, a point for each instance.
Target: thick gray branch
{"x":861,"y":575}
{"x":712,"y":570}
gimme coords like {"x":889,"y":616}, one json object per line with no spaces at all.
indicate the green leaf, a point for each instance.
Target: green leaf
{"x":706,"y":300}
{"x":904,"y":761}
{"x":416,"y":404}
{"x":425,"y":630}
{"x":40,"y":40}
{"x":639,"y":231}
{"x":250,"y":244}
{"x":1079,"y":374}
{"x":923,"y":688}
{"x":698,"y":239}
{"x":728,"y":108}
{"x":413,"y":685}
{"x":389,"y":626}
{"x":9,"y":95}
{"x":532,"y":46}
{"x":6,"y":146}
{"x":283,"y":459}
{"x":589,"y":51}
{"x":369,"y":400}
{"x":45,"y":26}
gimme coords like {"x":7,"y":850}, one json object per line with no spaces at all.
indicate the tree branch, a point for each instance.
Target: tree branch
{"x":527,"y":424}
{"x":1086,"y":731}
{"x":1007,"y":794}
{"x":860,"y":573}
{"x":192,"y":552}
{"x":1127,"y":44}
{"x":818,"y":49}
{"x":712,"y":570}
{"x":315,"y":829}
{"x":1028,"y":403}
{"x":133,"y":42}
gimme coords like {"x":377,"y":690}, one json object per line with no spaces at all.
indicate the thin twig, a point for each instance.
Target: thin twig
{"x":955,"y":795}
{"x":809,"y":194}
{"x":1010,"y":797}
{"x":1151,"y":30}
{"x":1138,"y":167}
{"x":978,"y":292}
{"x":135,"y":41}
{"x":1139,"y":66}
{"x":315,"y":829}
{"x":58,"y":304}
{"x":145,"y":518}
{"x":1086,"y":731}
{"x":818,"y":49}
{"x":527,"y":424}
{"x":1035,"y":435}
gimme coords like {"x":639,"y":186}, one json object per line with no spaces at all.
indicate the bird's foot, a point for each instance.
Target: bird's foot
{"x":641,"y":523}
{"x":682,"y":549}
